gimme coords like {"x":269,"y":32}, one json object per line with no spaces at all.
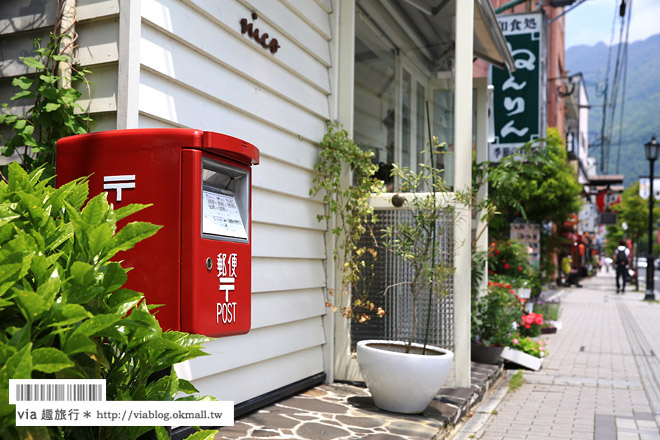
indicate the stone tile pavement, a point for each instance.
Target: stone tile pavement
{"x":601,"y":379}
{"x":346,"y":411}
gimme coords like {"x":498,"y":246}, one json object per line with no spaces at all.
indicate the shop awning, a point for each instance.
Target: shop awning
{"x":433,"y":20}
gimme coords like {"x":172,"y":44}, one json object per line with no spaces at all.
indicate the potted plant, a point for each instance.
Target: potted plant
{"x":525,"y":351}
{"x":404,"y":376}
{"x":349,"y":216}
{"x":492,"y":321}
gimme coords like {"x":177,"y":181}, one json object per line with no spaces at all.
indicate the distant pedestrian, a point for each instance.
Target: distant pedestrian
{"x":570,"y":274}
{"x":621,"y":259}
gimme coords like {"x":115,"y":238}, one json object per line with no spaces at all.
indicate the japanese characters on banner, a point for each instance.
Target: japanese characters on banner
{"x":645,"y":187}
{"x":518,"y":103}
{"x":529,"y":234}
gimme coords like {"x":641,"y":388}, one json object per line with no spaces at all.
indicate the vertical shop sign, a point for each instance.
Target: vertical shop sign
{"x":519,"y":103}
{"x":529,"y":234}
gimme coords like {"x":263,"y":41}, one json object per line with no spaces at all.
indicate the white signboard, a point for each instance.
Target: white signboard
{"x":220,"y":215}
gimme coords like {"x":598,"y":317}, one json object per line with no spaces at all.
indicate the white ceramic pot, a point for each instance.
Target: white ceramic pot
{"x":402,"y":382}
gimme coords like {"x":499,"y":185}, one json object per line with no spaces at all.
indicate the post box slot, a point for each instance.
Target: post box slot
{"x":225,"y":201}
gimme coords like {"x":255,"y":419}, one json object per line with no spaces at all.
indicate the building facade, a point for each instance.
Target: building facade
{"x":272,"y":73}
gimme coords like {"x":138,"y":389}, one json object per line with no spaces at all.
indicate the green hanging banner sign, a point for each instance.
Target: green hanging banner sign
{"x":519,"y":98}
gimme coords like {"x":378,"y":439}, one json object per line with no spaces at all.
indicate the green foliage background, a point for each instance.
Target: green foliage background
{"x":64,"y":311}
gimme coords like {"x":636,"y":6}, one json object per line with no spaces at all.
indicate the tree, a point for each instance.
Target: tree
{"x":634,"y":211}
{"x":538,"y":185}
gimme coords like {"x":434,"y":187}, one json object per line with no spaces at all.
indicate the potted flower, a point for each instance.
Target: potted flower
{"x":492,"y":321}
{"x":404,"y":376}
{"x":525,"y":351}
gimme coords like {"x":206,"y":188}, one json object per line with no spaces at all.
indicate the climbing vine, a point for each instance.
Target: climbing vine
{"x":53,"y":113}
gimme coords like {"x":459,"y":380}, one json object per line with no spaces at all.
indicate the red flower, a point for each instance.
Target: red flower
{"x":519,"y":268}
{"x":497,"y":252}
{"x":506,"y":266}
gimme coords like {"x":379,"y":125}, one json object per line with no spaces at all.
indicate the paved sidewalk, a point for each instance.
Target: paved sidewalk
{"x":601,"y":380}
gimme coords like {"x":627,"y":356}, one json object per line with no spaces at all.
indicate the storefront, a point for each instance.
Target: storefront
{"x":272,"y":73}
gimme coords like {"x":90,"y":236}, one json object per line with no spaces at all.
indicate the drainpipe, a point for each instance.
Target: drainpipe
{"x":509,"y":5}
{"x":67,"y":30}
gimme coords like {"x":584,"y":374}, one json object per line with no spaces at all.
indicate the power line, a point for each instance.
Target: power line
{"x":603,"y":155}
{"x":623,"y":94}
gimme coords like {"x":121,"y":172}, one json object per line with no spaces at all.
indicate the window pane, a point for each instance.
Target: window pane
{"x":443,"y":128}
{"x":374,"y":100}
{"x":406,"y":91}
{"x":421,"y":124}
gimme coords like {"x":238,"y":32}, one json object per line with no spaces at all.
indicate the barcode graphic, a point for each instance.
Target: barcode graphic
{"x":59,"y":392}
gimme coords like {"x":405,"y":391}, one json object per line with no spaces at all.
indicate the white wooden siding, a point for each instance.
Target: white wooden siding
{"x":198,"y":70}
{"x":241,"y":384}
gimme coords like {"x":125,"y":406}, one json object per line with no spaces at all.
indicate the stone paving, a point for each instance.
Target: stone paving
{"x":601,"y":379}
{"x":346,"y":411}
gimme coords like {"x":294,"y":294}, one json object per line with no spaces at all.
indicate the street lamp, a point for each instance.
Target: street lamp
{"x":651,"y":149}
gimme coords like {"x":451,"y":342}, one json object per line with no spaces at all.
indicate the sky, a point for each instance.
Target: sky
{"x":591,"y":21}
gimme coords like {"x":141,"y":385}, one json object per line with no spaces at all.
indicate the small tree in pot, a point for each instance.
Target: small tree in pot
{"x":405,"y":376}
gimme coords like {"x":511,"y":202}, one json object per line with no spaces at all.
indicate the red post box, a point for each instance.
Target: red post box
{"x":198,"y":266}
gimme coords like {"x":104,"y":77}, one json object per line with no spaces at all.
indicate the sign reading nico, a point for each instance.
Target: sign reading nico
{"x":518,"y":97}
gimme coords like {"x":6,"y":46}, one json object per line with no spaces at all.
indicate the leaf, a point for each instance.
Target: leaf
{"x":123,"y":300}
{"x":33,"y":63}
{"x":114,"y":276}
{"x":97,"y":324}
{"x":22,"y":82}
{"x":187,"y":387}
{"x":131,"y":234}
{"x":78,"y":343}
{"x":96,"y":210}
{"x":51,"y":107}
{"x":125,"y":211}
{"x":21,"y":337}
{"x":50,"y":360}
{"x":22,"y":94}
{"x":31,"y":304}
{"x":207,"y":434}
{"x":19,"y":365}
{"x":161,"y":433}
{"x":67,"y":314}
{"x":99,"y":238}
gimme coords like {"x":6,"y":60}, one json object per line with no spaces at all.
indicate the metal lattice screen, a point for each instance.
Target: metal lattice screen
{"x":390,"y":270}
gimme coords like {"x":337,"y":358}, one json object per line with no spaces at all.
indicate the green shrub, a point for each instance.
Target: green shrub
{"x":493,"y":315}
{"x":64,"y":312}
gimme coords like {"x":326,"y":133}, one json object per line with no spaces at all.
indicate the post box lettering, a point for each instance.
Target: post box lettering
{"x":226,"y":312}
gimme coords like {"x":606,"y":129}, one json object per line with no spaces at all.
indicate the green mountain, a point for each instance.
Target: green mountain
{"x":641,"y":106}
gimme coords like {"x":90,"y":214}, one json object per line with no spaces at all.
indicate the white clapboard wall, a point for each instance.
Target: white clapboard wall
{"x":185,"y":63}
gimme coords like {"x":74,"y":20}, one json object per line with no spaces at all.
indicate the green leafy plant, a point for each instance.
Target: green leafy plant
{"x":493,"y":314}
{"x":516,"y":381}
{"x":416,"y":240}
{"x":54,"y":112}
{"x":549,"y":309}
{"x":347,"y":212}
{"x":528,"y":345}
{"x":509,"y":258}
{"x":537,"y":184}
{"x":65,"y":314}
